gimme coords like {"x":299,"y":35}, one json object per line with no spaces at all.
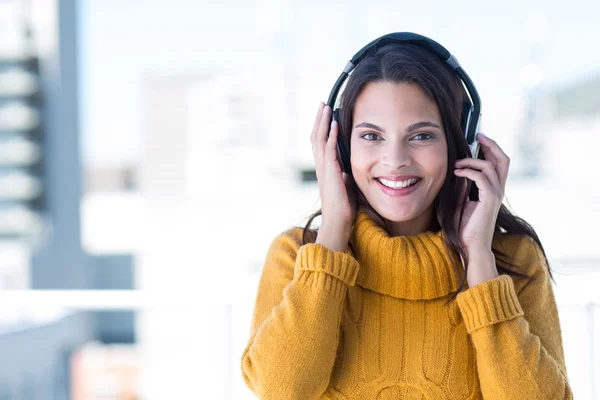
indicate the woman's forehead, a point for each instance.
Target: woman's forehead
{"x":395,"y":103}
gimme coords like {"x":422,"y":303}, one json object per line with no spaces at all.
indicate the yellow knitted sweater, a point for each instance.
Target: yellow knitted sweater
{"x":373,"y":325}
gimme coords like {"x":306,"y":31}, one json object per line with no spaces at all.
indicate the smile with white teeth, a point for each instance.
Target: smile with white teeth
{"x":398,"y":185}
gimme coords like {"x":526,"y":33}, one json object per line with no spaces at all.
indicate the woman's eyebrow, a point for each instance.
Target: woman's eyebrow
{"x":411,"y":128}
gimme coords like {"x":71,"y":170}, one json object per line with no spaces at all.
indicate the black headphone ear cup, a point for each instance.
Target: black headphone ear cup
{"x":473,"y":190}
{"x":343,"y":148}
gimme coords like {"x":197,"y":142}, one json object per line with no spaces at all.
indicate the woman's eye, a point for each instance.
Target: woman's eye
{"x":367,"y":134}
{"x":423,"y":134}
{"x":426,"y":136}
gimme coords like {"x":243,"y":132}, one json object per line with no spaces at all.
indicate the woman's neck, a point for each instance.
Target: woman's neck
{"x":425,"y":222}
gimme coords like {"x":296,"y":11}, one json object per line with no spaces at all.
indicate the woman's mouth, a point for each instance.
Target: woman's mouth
{"x":412,"y":185}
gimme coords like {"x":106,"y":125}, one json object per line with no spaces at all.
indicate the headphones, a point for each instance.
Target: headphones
{"x":471,"y":108}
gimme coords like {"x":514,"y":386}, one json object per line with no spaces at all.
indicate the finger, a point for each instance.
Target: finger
{"x":324,"y":124}
{"x":320,"y":137}
{"x":491,"y":159}
{"x":313,"y":135}
{"x":492,"y":150}
{"x":324,"y":127}
{"x":482,"y":183}
{"x":332,"y":140}
{"x":486,"y":166}
{"x":317,"y":119}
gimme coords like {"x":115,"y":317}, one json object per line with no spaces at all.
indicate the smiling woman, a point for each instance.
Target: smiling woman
{"x":409,"y":288}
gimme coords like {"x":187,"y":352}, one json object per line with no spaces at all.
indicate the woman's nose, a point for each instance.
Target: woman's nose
{"x":397,"y":156}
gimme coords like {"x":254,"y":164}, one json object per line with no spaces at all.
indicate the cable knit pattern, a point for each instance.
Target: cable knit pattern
{"x":373,"y":325}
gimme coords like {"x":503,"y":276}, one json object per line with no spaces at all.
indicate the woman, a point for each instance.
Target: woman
{"x":410,"y":293}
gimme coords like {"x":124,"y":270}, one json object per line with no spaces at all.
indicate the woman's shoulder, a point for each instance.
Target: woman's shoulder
{"x":282,"y":252}
{"x":291,"y":239}
{"x":523,"y":252}
{"x":517,"y":246}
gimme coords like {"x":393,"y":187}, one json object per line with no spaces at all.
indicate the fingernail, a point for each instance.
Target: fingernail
{"x":482,"y":134}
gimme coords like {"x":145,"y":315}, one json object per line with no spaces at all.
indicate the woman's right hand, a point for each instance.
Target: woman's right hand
{"x":338,"y":200}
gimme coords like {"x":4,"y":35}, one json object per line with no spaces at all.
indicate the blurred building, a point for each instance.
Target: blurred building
{"x":42,"y":239}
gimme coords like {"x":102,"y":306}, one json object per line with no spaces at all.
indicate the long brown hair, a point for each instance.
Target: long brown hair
{"x":409,"y":63}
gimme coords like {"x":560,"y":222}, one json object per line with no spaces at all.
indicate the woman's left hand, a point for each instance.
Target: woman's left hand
{"x":476,"y":229}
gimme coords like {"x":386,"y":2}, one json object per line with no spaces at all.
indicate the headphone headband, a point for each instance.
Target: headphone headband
{"x":473,"y":107}
{"x":403,"y":37}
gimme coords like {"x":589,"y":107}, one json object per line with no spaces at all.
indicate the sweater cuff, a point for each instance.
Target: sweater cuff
{"x":317,"y":257}
{"x":489,"y":303}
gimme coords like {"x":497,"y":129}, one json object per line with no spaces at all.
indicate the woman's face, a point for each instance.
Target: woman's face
{"x":387,"y":148}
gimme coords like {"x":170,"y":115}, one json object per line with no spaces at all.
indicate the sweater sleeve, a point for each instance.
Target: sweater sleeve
{"x":296,"y":320}
{"x":517,"y":337}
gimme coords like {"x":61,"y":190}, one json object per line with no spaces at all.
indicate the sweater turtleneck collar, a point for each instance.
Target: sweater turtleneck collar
{"x":413,"y":267}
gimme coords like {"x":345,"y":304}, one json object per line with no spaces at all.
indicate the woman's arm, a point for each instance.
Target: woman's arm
{"x":517,"y":337}
{"x":296,"y":321}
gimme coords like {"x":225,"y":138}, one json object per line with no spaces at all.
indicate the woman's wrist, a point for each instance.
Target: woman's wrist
{"x":335,"y":239}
